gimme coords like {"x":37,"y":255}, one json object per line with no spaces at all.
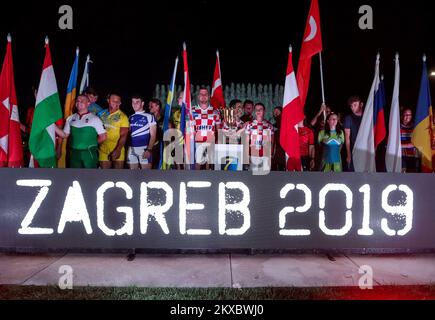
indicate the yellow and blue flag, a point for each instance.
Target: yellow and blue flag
{"x":422,"y":134}
{"x":163,"y":165}
{"x":70,"y":100}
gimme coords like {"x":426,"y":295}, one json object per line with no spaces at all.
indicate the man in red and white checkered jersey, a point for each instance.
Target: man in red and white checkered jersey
{"x":259,"y":132}
{"x":207,"y":123}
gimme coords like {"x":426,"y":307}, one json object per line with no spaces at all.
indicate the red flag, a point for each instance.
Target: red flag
{"x":311,"y":45}
{"x":217,"y":94}
{"x":292,"y":114}
{"x":11,"y":152}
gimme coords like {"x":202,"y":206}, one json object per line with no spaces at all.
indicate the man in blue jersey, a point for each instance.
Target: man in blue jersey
{"x":143,"y":133}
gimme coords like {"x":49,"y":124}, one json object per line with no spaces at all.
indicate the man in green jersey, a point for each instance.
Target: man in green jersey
{"x":86,"y":131}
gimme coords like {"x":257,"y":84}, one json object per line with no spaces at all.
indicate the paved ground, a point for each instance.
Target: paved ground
{"x":223,"y":270}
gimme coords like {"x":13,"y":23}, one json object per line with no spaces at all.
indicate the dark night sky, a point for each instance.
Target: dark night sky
{"x":134,"y":44}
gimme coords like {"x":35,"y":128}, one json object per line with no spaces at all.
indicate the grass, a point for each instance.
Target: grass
{"x":14,"y":292}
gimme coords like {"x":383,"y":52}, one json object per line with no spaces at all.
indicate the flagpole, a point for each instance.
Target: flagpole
{"x":322,"y":84}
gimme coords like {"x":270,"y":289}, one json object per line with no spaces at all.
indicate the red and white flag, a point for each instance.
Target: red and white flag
{"x":292,"y":114}
{"x":217,"y":94}
{"x":311,"y":45}
{"x":11,"y":152}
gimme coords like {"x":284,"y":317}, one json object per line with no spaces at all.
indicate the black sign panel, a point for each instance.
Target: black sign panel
{"x":121,"y":209}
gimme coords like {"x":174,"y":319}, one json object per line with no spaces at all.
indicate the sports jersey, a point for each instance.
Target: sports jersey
{"x":113,"y":122}
{"x":84,"y":130}
{"x":258,"y":131}
{"x":206,"y":122}
{"x":140,"y":124}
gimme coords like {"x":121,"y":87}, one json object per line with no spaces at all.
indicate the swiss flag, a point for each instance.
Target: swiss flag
{"x":311,"y":45}
{"x":11,"y":152}
{"x":292,"y":114}
{"x":217,"y":94}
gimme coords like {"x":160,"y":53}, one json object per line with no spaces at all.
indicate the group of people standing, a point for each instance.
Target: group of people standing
{"x":108,"y":138}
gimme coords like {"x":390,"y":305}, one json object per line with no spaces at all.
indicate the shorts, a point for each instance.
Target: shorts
{"x":104,"y":154}
{"x":260,"y":164}
{"x":204,"y":153}
{"x":84,"y":158}
{"x":135,"y":156}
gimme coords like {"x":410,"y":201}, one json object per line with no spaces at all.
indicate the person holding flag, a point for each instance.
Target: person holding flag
{"x":11,"y":151}
{"x":47,"y":112}
{"x":87,"y":132}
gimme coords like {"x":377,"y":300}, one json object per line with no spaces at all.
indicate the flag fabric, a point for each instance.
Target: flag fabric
{"x":217,"y":94}
{"x":84,"y":84}
{"x":292,"y":114}
{"x":47,"y":112}
{"x":422,"y":134}
{"x":70,"y":100}
{"x":11,"y":148}
{"x":186,"y":111}
{"x":363,"y":153}
{"x":378,"y":114}
{"x":393,"y":156}
{"x":311,"y":45}
{"x":163,"y":165}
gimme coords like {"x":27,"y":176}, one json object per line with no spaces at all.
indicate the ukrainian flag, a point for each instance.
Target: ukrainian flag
{"x":163,"y":165}
{"x":422,"y":134}
{"x":69,"y":103}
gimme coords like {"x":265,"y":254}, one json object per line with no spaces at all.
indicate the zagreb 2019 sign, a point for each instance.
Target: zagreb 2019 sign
{"x":121,"y":209}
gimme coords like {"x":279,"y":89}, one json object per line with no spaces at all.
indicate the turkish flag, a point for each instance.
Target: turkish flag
{"x":311,"y":45}
{"x":292,"y":114}
{"x":217,"y":94}
{"x":11,"y":149}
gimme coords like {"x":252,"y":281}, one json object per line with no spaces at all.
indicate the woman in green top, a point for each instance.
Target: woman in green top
{"x":332,"y":138}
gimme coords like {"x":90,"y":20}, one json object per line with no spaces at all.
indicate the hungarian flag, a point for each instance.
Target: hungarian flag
{"x":217,"y":94}
{"x":70,"y":101}
{"x":47,"y":112}
{"x":311,"y":45}
{"x":292,"y":114}
{"x":11,"y":148}
{"x":422,"y":134}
